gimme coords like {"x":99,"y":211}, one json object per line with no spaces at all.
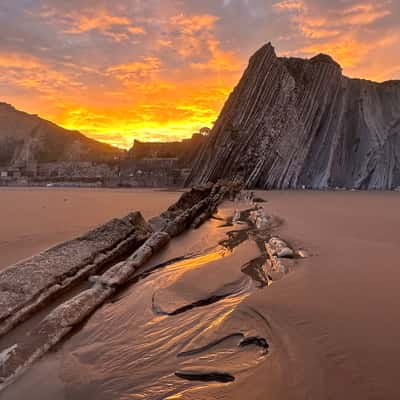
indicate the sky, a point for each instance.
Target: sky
{"x":162,"y":69}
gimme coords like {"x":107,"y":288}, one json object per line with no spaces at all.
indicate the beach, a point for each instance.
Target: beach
{"x":331,"y":322}
{"x":34,"y":219}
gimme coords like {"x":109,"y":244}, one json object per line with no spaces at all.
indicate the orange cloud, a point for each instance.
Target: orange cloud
{"x":31,"y":73}
{"x":190,"y":25}
{"x":145,"y":69}
{"x":338,"y":32}
{"x":220,"y":61}
{"x":290,"y":5}
{"x":106,"y":24}
{"x":118,"y":28}
{"x":15,"y":60}
{"x":189,"y":35}
{"x":364,"y":14}
{"x":348,"y":50}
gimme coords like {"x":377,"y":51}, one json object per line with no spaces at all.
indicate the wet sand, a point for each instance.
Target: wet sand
{"x":34,"y":219}
{"x":335,"y":319}
{"x":331,"y":323}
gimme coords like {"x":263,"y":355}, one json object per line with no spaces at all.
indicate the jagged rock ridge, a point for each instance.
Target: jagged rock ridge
{"x":26,"y":138}
{"x":292,"y":122}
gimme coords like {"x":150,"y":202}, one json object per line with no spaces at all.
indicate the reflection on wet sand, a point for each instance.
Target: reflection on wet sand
{"x":174,"y":328}
{"x":329,"y":330}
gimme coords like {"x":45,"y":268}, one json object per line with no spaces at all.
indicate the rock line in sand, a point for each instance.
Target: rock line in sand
{"x":194,"y":207}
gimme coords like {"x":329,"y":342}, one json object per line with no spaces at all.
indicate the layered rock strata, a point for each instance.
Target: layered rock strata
{"x":31,"y":284}
{"x":28,"y":285}
{"x":293,"y":123}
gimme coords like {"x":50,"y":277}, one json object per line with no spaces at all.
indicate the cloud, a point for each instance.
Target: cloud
{"x":27,"y":72}
{"x":350,"y":33}
{"x":290,"y":5}
{"x":145,"y":69}
{"x":116,"y":27}
{"x":220,"y":61}
{"x":162,"y":69}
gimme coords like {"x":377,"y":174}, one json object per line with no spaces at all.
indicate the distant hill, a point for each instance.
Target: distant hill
{"x":25,"y":138}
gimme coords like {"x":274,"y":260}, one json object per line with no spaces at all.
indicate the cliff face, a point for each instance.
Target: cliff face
{"x":25,"y":138}
{"x":292,"y":122}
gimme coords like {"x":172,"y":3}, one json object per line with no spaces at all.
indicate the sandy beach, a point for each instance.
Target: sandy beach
{"x":337,"y":315}
{"x":34,"y":219}
{"x":331,"y":323}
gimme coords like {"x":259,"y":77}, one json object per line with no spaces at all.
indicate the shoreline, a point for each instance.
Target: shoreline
{"x":81,"y":185}
{"x":34,"y":219}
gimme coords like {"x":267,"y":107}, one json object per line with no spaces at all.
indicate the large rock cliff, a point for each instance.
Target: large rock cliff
{"x":292,"y":122}
{"x":26,"y":138}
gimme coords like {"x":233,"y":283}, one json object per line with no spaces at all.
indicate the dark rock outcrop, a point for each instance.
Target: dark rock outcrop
{"x":26,"y":138}
{"x":30,"y":284}
{"x":36,"y":283}
{"x":292,"y":123}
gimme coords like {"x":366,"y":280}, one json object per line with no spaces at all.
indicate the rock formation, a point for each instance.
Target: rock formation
{"x":27,"y":138}
{"x":38,"y":283}
{"x":294,"y":123}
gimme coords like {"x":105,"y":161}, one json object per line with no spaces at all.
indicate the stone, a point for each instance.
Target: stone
{"x":29,"y":284}
{"x":278,"y":246}
{"x":286,"y":252}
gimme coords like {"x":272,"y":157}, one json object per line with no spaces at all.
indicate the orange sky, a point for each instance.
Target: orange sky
{"x":119,"y":70}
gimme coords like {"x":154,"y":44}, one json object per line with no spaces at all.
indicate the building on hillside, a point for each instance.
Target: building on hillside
{"x":151,"y":172}
{"x":184,"y":151}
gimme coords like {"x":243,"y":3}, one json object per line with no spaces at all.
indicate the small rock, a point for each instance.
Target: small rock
{"x":259,"y":200}
{"x":286,"y":252}
{"x":279,"y":248}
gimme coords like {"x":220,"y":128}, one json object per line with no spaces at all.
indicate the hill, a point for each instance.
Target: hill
{"x":26,"y":138}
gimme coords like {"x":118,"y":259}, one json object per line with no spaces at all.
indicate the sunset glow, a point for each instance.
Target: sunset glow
{"x":152,"y":70}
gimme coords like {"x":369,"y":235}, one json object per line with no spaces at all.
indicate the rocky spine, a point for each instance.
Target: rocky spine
{"x":293,"y":123}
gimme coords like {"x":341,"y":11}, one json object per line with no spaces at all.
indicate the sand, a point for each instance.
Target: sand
{"x":34,"y":219}
{"x":332,"y":322}
{"x":335,"y":319}
{"x":338,"y":315}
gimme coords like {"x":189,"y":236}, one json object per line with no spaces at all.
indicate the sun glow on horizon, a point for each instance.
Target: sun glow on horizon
{"x":170,"y":112}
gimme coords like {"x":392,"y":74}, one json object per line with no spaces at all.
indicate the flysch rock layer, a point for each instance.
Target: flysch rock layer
{"x":27,"y":285}
{"x":292,"y":123}
{"x":199,"y":202}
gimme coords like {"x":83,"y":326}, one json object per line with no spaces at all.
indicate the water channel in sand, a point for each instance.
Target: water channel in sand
{"x":166,"y":332}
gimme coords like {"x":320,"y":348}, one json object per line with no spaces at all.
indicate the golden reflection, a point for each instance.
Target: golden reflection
{"x":196,"y":262}
{"x":231,"y":302}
